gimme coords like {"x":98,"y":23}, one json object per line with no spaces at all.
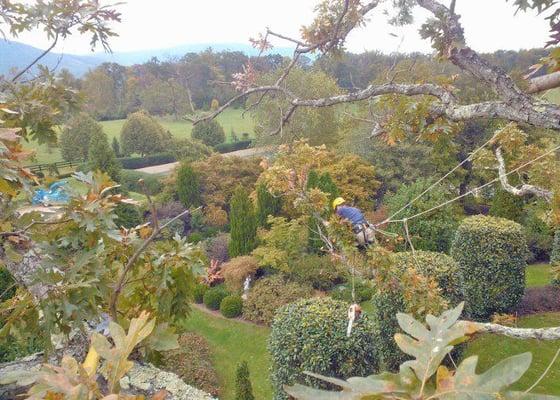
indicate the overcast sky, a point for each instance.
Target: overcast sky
{"x":150,"y":24}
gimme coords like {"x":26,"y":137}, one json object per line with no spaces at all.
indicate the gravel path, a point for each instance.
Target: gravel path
{"x":167,"y":168}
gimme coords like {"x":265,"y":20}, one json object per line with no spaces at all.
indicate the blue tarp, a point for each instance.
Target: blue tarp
{"x":55,"y":194}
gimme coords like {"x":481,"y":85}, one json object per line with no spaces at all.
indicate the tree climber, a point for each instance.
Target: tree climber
{"x":364,"y":233}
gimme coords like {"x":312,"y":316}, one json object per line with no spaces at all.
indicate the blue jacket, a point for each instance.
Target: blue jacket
{"x":352,"y":214}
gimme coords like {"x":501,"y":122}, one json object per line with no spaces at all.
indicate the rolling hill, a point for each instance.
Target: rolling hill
{"x":17,"y":55}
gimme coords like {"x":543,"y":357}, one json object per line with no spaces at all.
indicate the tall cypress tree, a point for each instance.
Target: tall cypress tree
{"x":188,"y":186}
{"x":243,"y":224}
{"x":243,"y":387}
{"x":324,"y":183}
{"x":267,"y":205}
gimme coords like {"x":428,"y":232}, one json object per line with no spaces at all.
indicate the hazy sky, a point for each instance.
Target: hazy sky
{"x":148,"y":24}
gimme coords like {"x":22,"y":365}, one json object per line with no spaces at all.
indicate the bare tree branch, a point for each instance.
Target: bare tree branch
{"x":36,"y":60}
{"x":525,"y":189}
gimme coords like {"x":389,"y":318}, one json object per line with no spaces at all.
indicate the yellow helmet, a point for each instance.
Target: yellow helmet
{"x":337,"y":202}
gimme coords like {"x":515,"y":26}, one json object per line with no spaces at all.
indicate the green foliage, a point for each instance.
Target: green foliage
{"x":319,"y":125}
{"x":213,"y":297}
{"x":188,"y":186}
{"x":243,"y":224}
{"x":101,"y":157}
{"x":210,"y":133}
{"x":386,"y":304}
{"x":491,"y":254}
{"x":7,"y":284}
{"x":429,"y":346}
{"x":268,"y":295}
{"x":555,"y":259}
{"x":235,"y":146}
{"x":282,"y":245}
{"x":198,"y":293}
{"x":128,"y":215}
{"x":433,"y":231}
{"x":243,"y":387}
{"x":326,"y":185}
{"x":129,"y":181}
{"x":539,"y":236}
{"x":441,"y":267}
{"x":506,"y":205}
{"x":231,"y":306}
{"x":116,"y":146}
{"x":310,"y":335}
{"x":190,"y":150}
{"x":267,"y":205}
{"x":76,"y":136}
{"x":193,"y":363}
{"x":143,"y":135}
{"x":362,"y":291}
{"x":316,"y":271}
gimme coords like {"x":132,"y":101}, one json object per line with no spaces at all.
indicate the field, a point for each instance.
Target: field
{"x":229,"y":119}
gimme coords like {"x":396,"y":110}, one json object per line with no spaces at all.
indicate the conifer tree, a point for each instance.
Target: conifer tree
{"x":188,"y":186}
{"x":116,"y":147}
{"x":267,"y":205}
{"x":324,"y":183}
{"x":243,"y":224}
{"x":243,"y":387}
{"x":101,"y":157}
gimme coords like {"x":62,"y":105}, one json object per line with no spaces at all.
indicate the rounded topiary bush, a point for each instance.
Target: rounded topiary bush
{"x":268,"y":295}
{"x":310,"y":335}
{"x":441,"y":267}
{"x":198,"y":293}
{"x":317,"y":271}
{"x":231,"y":306}
{"x":214,"y":296}
{"x":491,"y":254}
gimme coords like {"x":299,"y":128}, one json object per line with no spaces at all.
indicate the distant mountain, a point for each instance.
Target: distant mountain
{"x":18,"y":55}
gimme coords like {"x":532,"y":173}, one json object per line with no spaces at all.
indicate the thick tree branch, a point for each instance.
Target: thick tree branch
{"x":545,"y":82}
{"x":519,"y":333}
{"x":524,"y":189}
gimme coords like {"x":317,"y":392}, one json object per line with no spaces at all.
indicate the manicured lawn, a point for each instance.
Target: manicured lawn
{"x":232,"y":342}
{"x":229,"y":119}
{"x":538,"y":275}
{"x":491,"y":349}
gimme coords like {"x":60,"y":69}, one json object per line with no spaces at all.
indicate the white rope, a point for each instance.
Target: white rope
{"x":402,"y":220}
{"x":390,"y":218}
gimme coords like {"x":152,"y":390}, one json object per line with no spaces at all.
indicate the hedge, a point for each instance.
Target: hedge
{"x":233,"y":146}
{"x":441,"y":267}
{"x":268,"y":295}
{"x":231,"y":306}
{"x":147,"y":161}
{"x":491,"y":254}
{"x":310,"y":335}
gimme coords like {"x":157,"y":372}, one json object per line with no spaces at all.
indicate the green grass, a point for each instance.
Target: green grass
{"x":491,"y":349}
{"x":232,"y":342}
{"x":229,"y":119}
{"x":538,"y":275}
